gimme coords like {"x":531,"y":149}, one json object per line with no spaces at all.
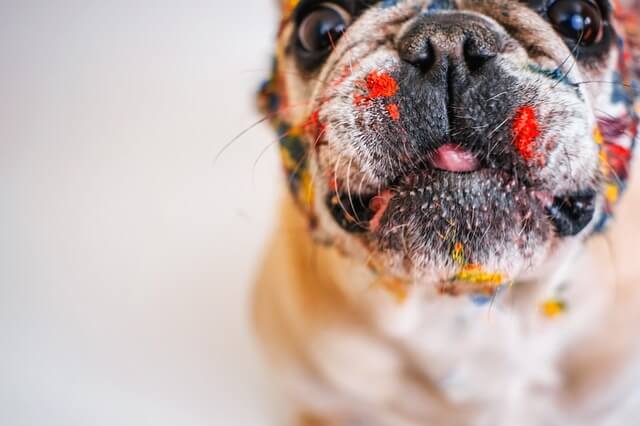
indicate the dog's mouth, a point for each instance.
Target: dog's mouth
{"x":457,"y":195}
{"x":455,"y":159}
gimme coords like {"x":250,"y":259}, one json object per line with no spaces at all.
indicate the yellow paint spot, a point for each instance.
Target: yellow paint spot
{"x":612,"y":193}
{"x":288,"y":6}
{"x":295,"y":131}
{"x":597,"y":136}
{"x":475,"y":274}
{"x":288,"y":162}
{"x":553,"y":308}
{"x":306,"y":190}
{"x":458,"y":253}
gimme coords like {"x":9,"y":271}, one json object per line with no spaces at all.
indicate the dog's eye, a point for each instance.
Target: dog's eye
{"x":321,"y":28}
{"x":581,"y":21}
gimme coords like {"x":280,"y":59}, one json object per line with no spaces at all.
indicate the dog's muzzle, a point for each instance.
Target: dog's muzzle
{"x":450,"y":105}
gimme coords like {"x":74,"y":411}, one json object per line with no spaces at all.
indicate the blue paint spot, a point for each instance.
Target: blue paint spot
{"x":554,"y":74}
{"x":602,"y":223}
{"x":635,"y":89}
{"x":437,"y":5}
{"x":480,"y":299}
{"x":620,"y":94}
{"x":389,"y":3}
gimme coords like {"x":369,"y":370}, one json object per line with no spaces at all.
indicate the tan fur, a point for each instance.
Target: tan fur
{"x":351,"y":347}
{"x":321,"y":317}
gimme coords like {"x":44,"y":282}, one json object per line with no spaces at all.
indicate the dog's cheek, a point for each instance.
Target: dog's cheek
{"x":354,"y":114}
{"x":571,"y":153}
{"x":628,"y":26}
{"x":552,"y":130}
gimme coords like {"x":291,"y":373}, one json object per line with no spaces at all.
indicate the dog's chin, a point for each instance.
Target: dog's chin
{"x":422,"y":217}
{"x":438,"y":222}
{"x":488,"y":214}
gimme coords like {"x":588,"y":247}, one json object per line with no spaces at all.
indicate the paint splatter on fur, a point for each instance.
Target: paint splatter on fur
{"x":526,"y":130}
{"x":378,"y":85}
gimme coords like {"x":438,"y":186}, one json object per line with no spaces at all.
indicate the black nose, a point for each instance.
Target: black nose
{"x":444,"y":40}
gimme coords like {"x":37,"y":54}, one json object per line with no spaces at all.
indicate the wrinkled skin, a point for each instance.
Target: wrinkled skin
{"x":375,"y":113}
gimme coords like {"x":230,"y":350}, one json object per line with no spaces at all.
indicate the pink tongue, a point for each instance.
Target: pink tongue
{"x":453,"y":158}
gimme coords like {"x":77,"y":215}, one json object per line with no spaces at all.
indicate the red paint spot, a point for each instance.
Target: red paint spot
{"x":394,"y":111}
{"x":334,"y":186}
{"x":379,"y":85}
{"x":526,"y":131}
{"x":618,"y":160}
{"x":379,"y":205}
{"x":313,"y":126}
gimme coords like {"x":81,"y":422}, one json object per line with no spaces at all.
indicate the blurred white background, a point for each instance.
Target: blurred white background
{"x":126,"y":258}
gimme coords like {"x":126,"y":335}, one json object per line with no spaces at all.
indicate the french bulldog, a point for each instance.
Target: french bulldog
{"x":454,"y":247}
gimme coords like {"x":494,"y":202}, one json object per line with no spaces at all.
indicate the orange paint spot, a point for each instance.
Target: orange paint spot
{"x":379,"y":85}
{"x":526,"y":130}
{"x":398,"y":288}
{"x":394,"y":111}
{"x":477,"y":275}
{"x":553,"y":308}
{"x":288,"y":6}
{"x":458,"y":253}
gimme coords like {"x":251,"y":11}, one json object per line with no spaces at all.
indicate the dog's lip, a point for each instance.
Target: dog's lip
{"x":361,"y":213}
{"x":367,"y":210}
{"x":454,"y":158}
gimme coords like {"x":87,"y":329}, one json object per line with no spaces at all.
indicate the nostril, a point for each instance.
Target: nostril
{"x":420,"y":55}
{"x":476,"y":54}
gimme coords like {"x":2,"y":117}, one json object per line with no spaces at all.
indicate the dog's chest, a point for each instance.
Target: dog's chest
{"x":503,"y":357}
{"x":485,"y":353}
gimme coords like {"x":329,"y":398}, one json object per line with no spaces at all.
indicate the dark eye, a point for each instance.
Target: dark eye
{"x":581,"y":21}
{"x":321,"y":28}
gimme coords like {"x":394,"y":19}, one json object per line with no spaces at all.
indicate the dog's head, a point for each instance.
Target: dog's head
{"x":465,"y":141}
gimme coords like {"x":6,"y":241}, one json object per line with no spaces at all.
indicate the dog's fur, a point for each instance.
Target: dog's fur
{"x":378,"y":320}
